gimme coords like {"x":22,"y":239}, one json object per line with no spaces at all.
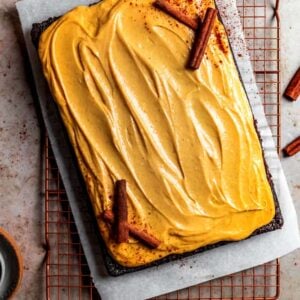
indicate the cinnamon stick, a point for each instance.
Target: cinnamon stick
{"x":292,"y":148}
{"x":140,"y":235}
{"x":201,"y":39}
{"x":293,"y":90}
{"x":149,"y":240}
{"x":180,"y":16}
{"x":121,"y":210}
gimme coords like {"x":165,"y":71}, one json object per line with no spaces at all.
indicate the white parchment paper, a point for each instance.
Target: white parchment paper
{"x":195,"y":269}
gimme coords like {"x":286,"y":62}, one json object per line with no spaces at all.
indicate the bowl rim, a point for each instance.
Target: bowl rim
{"x":17,"y":251}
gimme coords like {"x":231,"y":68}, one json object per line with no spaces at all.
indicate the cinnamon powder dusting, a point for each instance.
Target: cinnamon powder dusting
{"x":221,"y":42}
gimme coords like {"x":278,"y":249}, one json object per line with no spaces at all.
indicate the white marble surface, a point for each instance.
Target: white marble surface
{"x":21,"y":205}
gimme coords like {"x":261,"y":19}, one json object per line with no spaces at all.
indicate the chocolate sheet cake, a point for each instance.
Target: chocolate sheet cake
{"x":178,"y":241}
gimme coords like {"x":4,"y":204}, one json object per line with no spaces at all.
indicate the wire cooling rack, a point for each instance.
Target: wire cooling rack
{"x":67,"y":272}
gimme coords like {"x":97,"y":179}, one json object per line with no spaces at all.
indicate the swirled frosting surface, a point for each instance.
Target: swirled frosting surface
{"x":184,"y":140}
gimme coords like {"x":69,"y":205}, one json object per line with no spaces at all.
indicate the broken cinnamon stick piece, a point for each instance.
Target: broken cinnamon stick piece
{"x":146,"y":238}
{"x":201,"y":39}
{"x":140,"y":235}
{"x":176,"y":13}
{"x":121,"y":210}
{"x":292,"y":148}
{"x":293,"y":90}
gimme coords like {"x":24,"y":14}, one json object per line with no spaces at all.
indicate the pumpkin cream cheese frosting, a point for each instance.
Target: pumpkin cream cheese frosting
{"x":184,"y":140}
